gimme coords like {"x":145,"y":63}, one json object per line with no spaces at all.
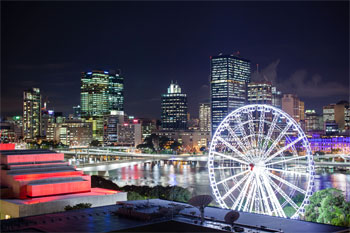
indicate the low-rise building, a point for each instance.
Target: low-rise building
{"x":191,"y":140}
{"x":70,"y":133}
{"x":129,"y":134}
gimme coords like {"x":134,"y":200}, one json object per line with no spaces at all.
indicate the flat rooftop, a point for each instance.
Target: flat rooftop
{"x":93,"y":192}
{"x":26,"y":152}
{"x":102,"y":219}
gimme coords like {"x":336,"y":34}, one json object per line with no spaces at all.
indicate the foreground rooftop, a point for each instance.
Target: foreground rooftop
{"x":103,"y":219}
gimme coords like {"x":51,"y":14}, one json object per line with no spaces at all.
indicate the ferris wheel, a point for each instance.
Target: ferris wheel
{"x":260,"y":161}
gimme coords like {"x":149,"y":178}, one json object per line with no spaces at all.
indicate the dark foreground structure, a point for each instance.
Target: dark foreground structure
{"x":157,"y":216}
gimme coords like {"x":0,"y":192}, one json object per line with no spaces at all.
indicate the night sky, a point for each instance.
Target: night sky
{"x":303,"y":47}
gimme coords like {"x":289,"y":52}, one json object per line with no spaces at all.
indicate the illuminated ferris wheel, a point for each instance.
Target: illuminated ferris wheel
{"x":260,"y":161}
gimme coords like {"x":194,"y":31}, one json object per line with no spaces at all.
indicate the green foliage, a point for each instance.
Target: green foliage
{"x":94,"y":143}
{"x":174,"y":193}
{"x":160,"y":144}
{"x":177,"y":193}
{"x":319,"y":153}
{"x":328,"y":206}
{"x":135,"y":196}
{"x":78,"y":206}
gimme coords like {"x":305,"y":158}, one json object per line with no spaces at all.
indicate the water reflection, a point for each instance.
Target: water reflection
{"x":196,"y":179}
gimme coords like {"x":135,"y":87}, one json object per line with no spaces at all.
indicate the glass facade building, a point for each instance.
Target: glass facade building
{"x":204,"y":117}
{"x":101,"y":92}
{"x":260,"y":93}
{"x":31,"y":113}
{"x":116,"y":91}
{"x":174,"y":109}
{"x":229,"y":78}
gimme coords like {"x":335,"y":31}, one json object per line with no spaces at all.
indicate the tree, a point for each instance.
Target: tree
{"x":78,"y":206}
{"x":94,"y":143}
{"x":150,"y":142}
{"x":328,"y":206}
{"x":175,"y":145}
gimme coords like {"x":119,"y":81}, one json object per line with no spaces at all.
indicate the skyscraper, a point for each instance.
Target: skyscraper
{"x":229,"y":77}
{"x":276,"y":97}
{"x":116,"y":91}
{"x":292,"y":105}
{"x":204,"y":117}
{"x":260,"y":93}
{"x":174,"y":109}
{"x":31,"y":113}
{"x":101,"y":92}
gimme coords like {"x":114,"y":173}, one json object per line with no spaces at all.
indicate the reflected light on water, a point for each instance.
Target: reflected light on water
{"x":196,"y":178}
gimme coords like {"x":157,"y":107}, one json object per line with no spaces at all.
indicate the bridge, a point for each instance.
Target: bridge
{"x":108,"y":158}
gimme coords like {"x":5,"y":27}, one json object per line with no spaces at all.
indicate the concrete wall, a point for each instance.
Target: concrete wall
{"x":21,"y":210}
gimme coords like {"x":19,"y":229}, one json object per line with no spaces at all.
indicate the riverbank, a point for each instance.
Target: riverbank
{"x":171,"y":193}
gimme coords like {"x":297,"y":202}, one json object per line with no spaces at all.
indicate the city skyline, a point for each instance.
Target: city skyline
{"x":179,"y":38}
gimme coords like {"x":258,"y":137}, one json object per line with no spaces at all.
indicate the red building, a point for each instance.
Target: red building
{"x":36,"y":176}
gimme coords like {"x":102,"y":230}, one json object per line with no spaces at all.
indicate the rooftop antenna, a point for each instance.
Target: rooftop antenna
{"x":201,"y":201}
{"x":231,"y":217}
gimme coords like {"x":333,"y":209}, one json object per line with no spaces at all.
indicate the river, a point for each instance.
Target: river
{"x":196,"y":178}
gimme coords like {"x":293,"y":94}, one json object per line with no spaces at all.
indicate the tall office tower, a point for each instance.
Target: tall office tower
{"x":101,"y":92}
{"x":229,"y":77}
{"x":116,"y":91}
{"x":31,"y":113}
{"x":174,"y":109}
{"x":111,"y":121}
{"x":260,"y":93}
{"x":276,"y":98}
{"x":292,"y":105}
{"x":47,"y":117}
{"x":204,"y":117}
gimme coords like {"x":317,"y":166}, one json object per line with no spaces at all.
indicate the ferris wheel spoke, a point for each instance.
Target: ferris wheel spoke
{"x":249,"y":196}
{"x":232,"y":177}
{"x":287,"y":171}
{"x":261,"y":127}
{"x":252,"y":129}
{"x":264,"y":196}
{"x":274,"y":201}
{"x":241,"y":195}
{"x":242,"y":130}
{"x":236,"y":139}
{"x":278,"y":139}
{"x":281,"y":150}
{"x":259,"y":206}
{"x":286,"y":160}
{"x":269,"y":133}
{"x":230,"y":158}
{"x":283,"y":194}
{"x":234,"y":150}
{"x":220,"y":168}
{"x":287,"y":183}
{"x":235,"y":186}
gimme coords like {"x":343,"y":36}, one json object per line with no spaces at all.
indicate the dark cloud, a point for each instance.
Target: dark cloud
{"x":313,"y":86}
{"x":302,"y":83}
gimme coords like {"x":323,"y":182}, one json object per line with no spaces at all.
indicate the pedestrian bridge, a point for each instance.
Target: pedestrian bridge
{"x":107,"y":158}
